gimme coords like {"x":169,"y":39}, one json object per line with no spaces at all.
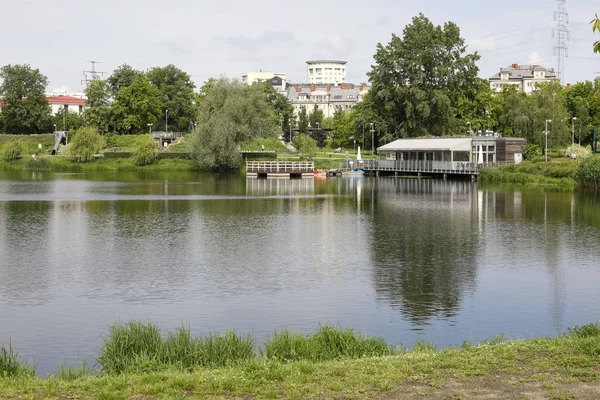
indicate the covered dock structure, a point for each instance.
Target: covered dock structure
{"x":445,"y":156}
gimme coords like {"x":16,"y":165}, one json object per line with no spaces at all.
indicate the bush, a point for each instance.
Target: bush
{"x":144,"y":150}
{"x":85,"y":145}
{"x":117,"y":154}
{"x":585,"y":331}
{"x":588,"y":172}
{"x":532,"y":151}
{"x":12,"y":151}
{"x":580,"y":151}
{"x":305,"y":145}
{"x":259,"y":155}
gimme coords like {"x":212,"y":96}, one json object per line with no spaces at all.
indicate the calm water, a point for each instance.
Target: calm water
{"x":404,"y":259}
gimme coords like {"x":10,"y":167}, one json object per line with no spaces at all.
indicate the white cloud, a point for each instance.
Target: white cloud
{"x":478,"y":44}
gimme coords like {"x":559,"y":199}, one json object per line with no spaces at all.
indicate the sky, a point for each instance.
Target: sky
{"x":233,"y":37}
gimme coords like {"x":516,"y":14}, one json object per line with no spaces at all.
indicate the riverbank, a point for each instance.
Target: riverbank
{"x":557,"y":172}
{"x":566,"y":367}
{"x":101,"y":164}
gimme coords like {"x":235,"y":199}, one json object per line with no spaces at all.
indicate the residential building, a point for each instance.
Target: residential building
{"x":261,"y":76}
{"x":326,"y":71}
{"x":328,"y":98}
{"x":524,"y":77}
{"x":69,"y":103}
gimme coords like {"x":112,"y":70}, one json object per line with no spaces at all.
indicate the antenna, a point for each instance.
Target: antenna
{"x":562,"y":35}
{"x":94,"y":74}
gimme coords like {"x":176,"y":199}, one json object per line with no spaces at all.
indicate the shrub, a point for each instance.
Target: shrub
{"x":305,"y":145}
{"x":12,"y":150}
{"x":580,"y":151}
{"x":588,"y":172}
{"x":585,"y":331}
{"x":85,"y":144}
{"x":532,"y":151}
{"x":144,"y":150}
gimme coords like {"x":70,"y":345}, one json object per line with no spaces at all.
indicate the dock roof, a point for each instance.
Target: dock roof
{"x":429,"y":144}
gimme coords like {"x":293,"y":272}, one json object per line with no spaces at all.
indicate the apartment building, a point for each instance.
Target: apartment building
{"x":524,"y":77}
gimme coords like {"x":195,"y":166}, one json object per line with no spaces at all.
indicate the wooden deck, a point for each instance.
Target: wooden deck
{"x":418,"y":167}
{"x":283,"y":169}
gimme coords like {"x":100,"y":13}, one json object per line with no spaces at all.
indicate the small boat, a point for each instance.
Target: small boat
{"x":353,"y":172}
{"x":321,"y":173}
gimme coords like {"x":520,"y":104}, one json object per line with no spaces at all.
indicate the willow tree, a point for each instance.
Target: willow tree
{"x":229,"y":114}
{"x":419,"y":78}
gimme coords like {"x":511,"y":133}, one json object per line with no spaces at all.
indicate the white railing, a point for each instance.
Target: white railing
{"x":166,"y":135}
{"x":455,"y":167}
{"x":280,"y":166}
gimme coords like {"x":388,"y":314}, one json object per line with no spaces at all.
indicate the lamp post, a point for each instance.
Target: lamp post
{"x":573,"y":129}
{"x":166,"y":121}
{"x":372,"y":139}
{"x":470,"y":131}
{"x":546,"y":152}
{"x":64,"y":123}
{"x":150,"y":129}
{"x":54,"y":127}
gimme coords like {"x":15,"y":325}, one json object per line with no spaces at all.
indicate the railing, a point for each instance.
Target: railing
{"x":454,"y":167}
{"x":166,"y":135}
{"x":280,"y":166}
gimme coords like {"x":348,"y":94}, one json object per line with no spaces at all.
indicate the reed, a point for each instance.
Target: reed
{"x":11,"y":366}
{"x":72,"y":372}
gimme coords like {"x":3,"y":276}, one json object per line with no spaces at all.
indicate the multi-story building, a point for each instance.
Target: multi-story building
{"x":524,"y":77}
{"x":328,"y":98}
{"x":261,"y":76}
{"x":326,"y":71}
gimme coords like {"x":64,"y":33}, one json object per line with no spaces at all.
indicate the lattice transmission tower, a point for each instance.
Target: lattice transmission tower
{"x":88,"y":76}
{"x":562,"y":35}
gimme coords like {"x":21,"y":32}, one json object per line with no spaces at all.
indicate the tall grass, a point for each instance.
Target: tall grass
{"x":71,"y":372}
{"x":328,"y":343}
{"x":11,"y":366}
{"x":139,"y":347}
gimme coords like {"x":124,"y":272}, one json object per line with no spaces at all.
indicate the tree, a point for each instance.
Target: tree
{"x":550,"y":104}
{"x":144,"y":150}
{"x":302,"y":120}
{"x":306,"y":145}
{"x":177,"y":93}
{"x":137,"y":106}
{"x":583,"y":102}
{"x":477,"y":107}
{"x":121,"y":77}
{"x":316,"y":117}
{"x":596,"y":27}
{"x":229,"y":114}
{"x":97,"y":113}
{"x":417,"y":80}
{"x":68,"y":120}
{"x":85,"y":144}
{"x":283,"y":110}
{"x":26,"y":109}
{"x":344,"y":128}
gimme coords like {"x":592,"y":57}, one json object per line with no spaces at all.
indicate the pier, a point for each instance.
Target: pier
{"x":280,"y":169}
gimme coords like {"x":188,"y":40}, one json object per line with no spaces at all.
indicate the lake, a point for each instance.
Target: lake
{"x":406,"y":259}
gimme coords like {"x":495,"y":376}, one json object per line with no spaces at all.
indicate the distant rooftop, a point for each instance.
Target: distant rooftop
{"x":326,"y":62}
{"x":518,"y":71}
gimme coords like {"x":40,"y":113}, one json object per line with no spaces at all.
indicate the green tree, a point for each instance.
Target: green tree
{"x":177,"y":93}
{"x":302,"y":120}
{"x":315,"y":118}
{"x":26,"y":109}
{"x":137,"y":106}
{"x":144,"y":150}
{"x":283,"y":110}
{"x":229,"y":114}
{"x":122,"y":76}
{"x":69,"y":120}
{"x":306,"y":145}
{"x":550,"y":104}
{"x":596,"y":27}
{"x":417,"y":80}
{"x":478,"y":108}
{"x":97,"y":113}
{"x":344,"y":128}
{"x":583,"y":102}
{"x":86,"y":143}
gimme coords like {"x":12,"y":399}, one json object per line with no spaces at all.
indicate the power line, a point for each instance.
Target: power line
{"x":93,"y":74}
{"x":561,"y":32}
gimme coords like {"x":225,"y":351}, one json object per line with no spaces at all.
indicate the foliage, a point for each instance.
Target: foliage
{"x":97,"y":113}
{"x":11,"y":150}
{"x":177,"y":94}
{"x":588,"y":172}
{"x":418,"y":79}
{"x":328,"y":343}
{"x":69,"y":121}
{"x":230,"y":114}
{"x":580,"y":151}
{"x":344,"y":128}
{"x":11,"y":366}
{"x":305,"y":145}
{"x":84,"y":145}
{"x":500,"y":175}
{"x":585,"y":331}
{"x":144,"y":150}
{"x":72,"y":372}
{"x":137,"y":106}
{"x":122,"y":76}
{"x":596,"y":27}
{"x":315,"y":119}
{"x":302,"y":120}
{"x":26,"y":109}
{"x":477,"y":109}
{"x":583,"y":102}
{"x":532,"y":151}
{"x":283,"y":110}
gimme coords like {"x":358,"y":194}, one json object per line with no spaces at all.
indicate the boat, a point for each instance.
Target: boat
{"x":321,"y":173}
{"x":353,"y":172}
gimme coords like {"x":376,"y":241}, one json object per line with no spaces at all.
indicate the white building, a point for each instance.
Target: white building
{"x":69,"y":103}
{"x":326,"y":71}
{"x":327,"y":98}
{"x":261,"y":76}
{"x":524,"y":77}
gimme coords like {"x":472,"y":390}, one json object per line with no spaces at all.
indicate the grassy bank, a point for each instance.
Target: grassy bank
{"x":566,"y":367}
{"x":60,"y":164}
{"x":557,"y":172}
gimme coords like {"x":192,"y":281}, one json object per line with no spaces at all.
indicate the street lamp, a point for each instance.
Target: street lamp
{"x":54,"y":127}
{"x":372,"y":139}
{"x":166,"y":121}
{"x":573,"y":129}
{"x":546,"y":153}
{"x":470,"y":131}
{"x":64,"y":124}
{"x":150,"y":129}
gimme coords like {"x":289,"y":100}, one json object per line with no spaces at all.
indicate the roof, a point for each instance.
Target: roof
{"x":326,"y":62}
{"x":330,"y":90}
{"x":523,"y":72}
{"x":447,"y":144}
{"x":65,"y":100}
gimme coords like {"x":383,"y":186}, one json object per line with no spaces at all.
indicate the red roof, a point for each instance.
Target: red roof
{"x":65,"y":100}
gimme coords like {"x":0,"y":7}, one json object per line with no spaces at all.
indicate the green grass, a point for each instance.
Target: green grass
{"x":499,"y":175}
{"x":62,"y":164}
{"x":567,"y":366}
{"x":11,"y":366}
{"x":270,"y":145}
